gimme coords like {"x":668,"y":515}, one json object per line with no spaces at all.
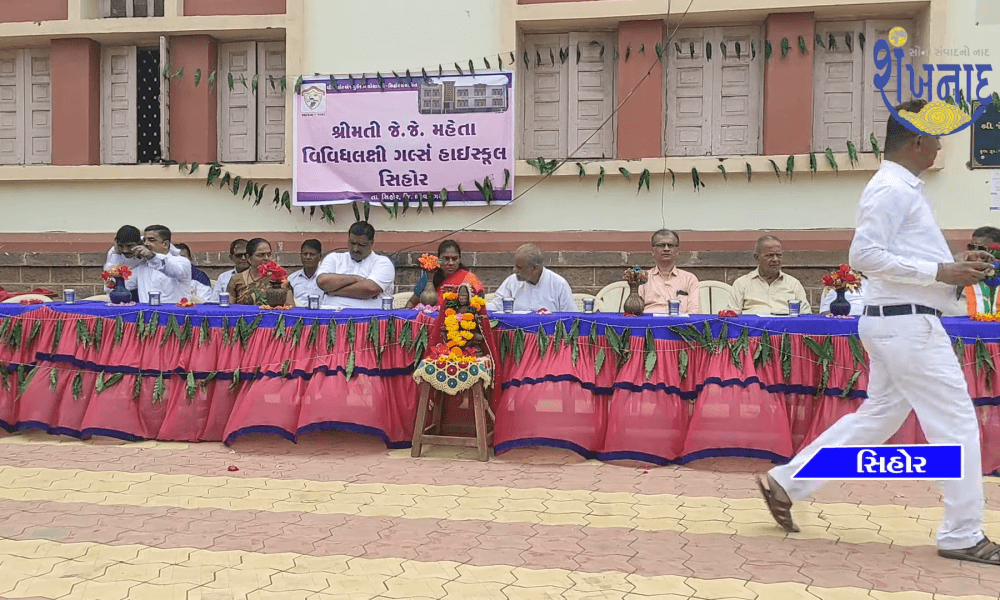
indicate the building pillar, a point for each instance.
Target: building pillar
{"x":194,"y":109}
{"x":76,"y":102}
{"x":788,"y":85}
{"x":640,"y":118}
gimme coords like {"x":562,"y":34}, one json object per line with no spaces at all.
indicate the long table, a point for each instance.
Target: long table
{"x":656,"y":389}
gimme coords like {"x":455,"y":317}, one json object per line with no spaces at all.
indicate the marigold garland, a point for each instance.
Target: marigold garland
{"x":986,"y":317}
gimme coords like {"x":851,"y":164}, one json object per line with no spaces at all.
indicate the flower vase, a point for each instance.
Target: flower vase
{"x":276,"y":295}
{"x":633,"y":304}
{"x":429,"y":296}
{"x":840,"y":306}
{"x":120,"y":295}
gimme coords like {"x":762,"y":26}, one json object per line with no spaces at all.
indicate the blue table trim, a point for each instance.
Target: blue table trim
{"x":639,"y":456}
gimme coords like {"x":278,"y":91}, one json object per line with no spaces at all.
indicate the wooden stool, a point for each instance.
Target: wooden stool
{"x":484,"y":435}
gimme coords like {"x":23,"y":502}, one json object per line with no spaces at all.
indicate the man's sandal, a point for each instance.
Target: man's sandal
{"x":985,"y":552}
{"x":781,"y":510}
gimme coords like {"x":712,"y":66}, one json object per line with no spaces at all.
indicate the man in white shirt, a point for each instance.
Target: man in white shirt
{"x":121,"y":252}
{"x":237,"y":254}
{"x":912,"y":277}
{"x":357,"y":278}
{"x":159,"y":269}
{"x":532,"y":286}
{"x":303,"y":281}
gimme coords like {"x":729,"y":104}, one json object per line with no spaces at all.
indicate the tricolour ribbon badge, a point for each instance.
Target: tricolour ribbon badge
{"x":919,"y":462}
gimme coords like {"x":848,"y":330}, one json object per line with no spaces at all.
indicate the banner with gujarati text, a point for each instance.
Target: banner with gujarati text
{"x":402,"y":140}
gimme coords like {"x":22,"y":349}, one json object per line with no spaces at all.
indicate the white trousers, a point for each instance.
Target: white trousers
{"x":913,"y":366}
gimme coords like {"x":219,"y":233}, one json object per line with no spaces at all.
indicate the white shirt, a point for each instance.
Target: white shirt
{"x":203,"y":291}
{"x":375,"y":268}
{"x":222,"y":283}
{"x":855,"y":298}
{"x":114,"y":259}
{"x":303,"y":287}
{"x":551,"y":293}
{"x":898,"y":244}
{"x":165,"y":273}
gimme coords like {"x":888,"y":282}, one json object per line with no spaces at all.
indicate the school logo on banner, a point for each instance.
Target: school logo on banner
{"x":314,"y":99}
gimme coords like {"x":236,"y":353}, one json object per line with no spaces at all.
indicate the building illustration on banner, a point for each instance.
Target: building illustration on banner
{"x":456,"y":95}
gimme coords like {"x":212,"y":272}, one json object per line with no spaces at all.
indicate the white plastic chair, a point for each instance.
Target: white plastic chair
{"x":399,"y":299}
{"x":98,"y":298}
{"x":489,"y":297}
{"x":715,"y":296}
{"x":22,"y":297}
{"x":612,"y":297}
{"x":579,"y":298}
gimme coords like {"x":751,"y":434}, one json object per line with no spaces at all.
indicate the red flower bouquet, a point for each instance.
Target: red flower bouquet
{"x":111,"y":274}
{"x":842,"y":279}
{"x":272,"y":270}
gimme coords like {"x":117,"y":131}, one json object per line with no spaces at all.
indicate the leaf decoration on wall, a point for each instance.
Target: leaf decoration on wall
{"x":722,"y":167}
{"x":767,"y":50}
{"x":832,"y":43}
{"x":790,"y":166}
{"x":625,"y":173}
{"x":691,"y":49}
{"x":813,"y":164}
{"x":600,"y":179}
{"x":722,"y":48}
{"x":875,"y":147}
{"x":644,"y":178}
{"x":628,"y":52}
{"x":777,"y":172}
{"x":696,"y":180}
{"x":753,"y":50}
{"x":819,"y":41}
{"x":852,"y":153}
{"x":673,"y":179}
{"x":708,"y":51}
{"x":749,"y":173}
{"x":832,"y":160}
{"x":784,"y":47}
{"x":849,"y":39}
{"x":861,"y":40}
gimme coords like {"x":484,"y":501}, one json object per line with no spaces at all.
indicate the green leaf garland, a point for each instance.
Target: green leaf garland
{"x":543,"y":341}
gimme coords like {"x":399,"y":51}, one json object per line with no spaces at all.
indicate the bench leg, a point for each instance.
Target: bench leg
{"x":479,"y":405}
{"x":418,"y":426}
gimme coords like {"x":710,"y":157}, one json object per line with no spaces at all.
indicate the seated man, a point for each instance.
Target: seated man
{"x":159,"y":270}
{"x":238,"y":255}
{"x":766,"y":290}
{"x":201,"y":285}
{"x":667,"y":282}
{"x":979,"y":298}
{"x":532,"y":286}
{"x":356,"y":278}
{"x":303,"y":281}
{"x":121,"y":253}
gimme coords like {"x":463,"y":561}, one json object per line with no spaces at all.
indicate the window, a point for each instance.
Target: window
{"x":497,"y":92}
{"x":846,"y":105}
{"x":462,"y":92}
{"x":463,"y":104}
{"x":134,"y":105}
{"x":427,"y":103}
{"x":25,"y":107}
{"x":252,"y":123}
{"x":713,"y":106}
{"x":566,"y":102}
{"x":497,"y":102}
{"x":131,"y":8}
{"x":480,"y":102}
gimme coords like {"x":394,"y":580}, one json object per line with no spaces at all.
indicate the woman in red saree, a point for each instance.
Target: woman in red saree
{"x":450,"y":273}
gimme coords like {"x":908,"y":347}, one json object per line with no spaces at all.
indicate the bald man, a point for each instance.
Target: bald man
{"x":532,"y":286}
{"x":766,"y":289}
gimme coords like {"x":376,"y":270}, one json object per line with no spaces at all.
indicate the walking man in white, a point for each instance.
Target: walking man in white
{"x":912,"y":277}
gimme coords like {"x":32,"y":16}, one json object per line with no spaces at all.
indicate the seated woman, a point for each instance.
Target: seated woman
{"x":250,"y":287}
{"x":451,"y":272}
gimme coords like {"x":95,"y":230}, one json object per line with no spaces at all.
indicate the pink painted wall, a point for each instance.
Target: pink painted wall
{"x":233,"y":7}
{"x":640,"y":118}
{"x":788,"y":86}
{"x":29,"y":11}
{"x":193,"y":110}
{"x":76,"y":102}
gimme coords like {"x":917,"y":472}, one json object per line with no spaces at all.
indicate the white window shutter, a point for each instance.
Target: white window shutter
{"x":11,"y":107}
{"x":546,"y":97}
{"x":164,"y":98}
{"x":38,"y":107}
{"x":238,"y":106}
{"x":118,"y":107}
{"x":838,"y":86}
{"x":690,"y":93}
{"x":591,"y":95}
{"x":737,"y":105}
{"x":270,"y":102}
{"x":876,"y":115}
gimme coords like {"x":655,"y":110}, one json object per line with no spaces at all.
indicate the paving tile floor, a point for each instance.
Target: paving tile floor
{"x":337,"y":516}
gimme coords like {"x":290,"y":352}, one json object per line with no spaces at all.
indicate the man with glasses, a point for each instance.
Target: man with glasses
{"x":667,"y":282}
{"x":357,"y":278}
{"x":160,"y":269}
{"x":767,"y":290}
{"x":978,"y":298}
{"x":239,"y":258}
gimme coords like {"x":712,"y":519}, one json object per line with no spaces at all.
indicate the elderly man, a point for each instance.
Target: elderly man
{"x":239,"y":258}
{"x":532,"y":286}
{"x":667,"y":282}
{"x":978,"y":298}
{"x":303,"y":281}
{"x":766,"y":290}
{"x":159,"y":269}
{"x":357,"y":278}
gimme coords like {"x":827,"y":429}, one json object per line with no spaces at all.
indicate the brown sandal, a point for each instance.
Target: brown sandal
{"x":781,"y":510}
{"x":985,"y":552}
